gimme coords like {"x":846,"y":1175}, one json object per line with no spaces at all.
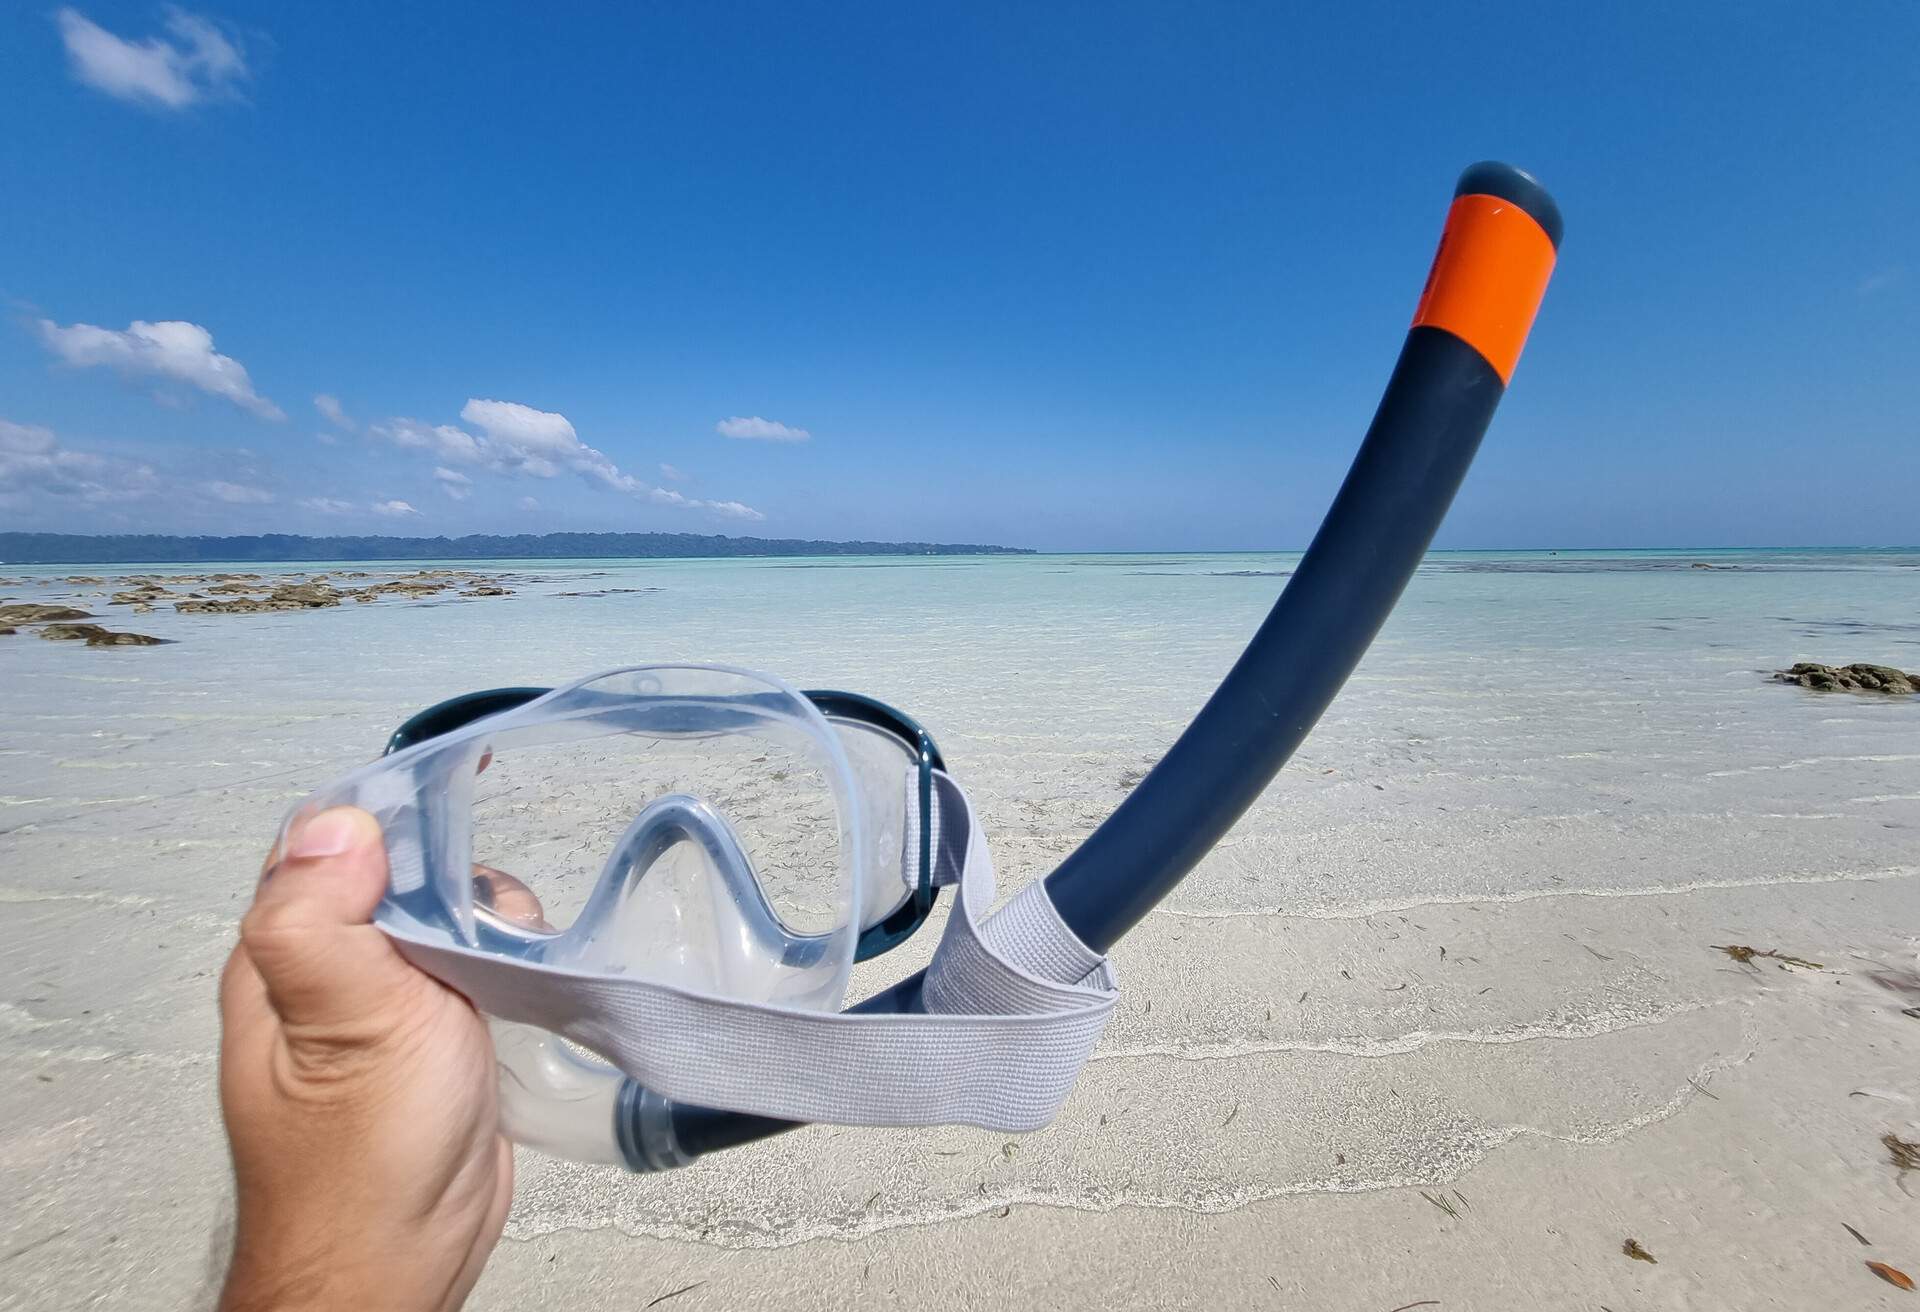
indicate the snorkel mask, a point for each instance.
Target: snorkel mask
{"x":769,"y":839}
{"x":675,"y":987}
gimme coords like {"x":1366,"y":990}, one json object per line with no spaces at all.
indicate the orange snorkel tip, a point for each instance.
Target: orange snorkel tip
{"x":1496,"y":255}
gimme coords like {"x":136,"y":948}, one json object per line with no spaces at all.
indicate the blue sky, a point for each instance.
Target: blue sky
{"x":1097,"y":277}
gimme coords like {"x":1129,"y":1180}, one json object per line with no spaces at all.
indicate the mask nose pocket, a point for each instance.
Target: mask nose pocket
{"x":678,"y":900}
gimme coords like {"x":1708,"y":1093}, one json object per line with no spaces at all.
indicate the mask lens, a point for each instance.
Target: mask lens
{"x":550,"y":814}
{"x":693,"y":825}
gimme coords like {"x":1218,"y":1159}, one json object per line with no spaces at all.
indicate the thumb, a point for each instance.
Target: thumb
{"x":310,"y":932}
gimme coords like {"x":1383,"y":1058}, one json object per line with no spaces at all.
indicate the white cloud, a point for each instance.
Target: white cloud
{"x":733,"y":510}
{"x":444,"y":440}
{"x":454,"y":483}
{"x":538,"y":442}
{"x":77,"y":491}
{"x":194,"y":62}
{"x":756,"y":429}
{"x":330,"y":409}
{"x":238,"y":494}
{"x":724,"y":509}
{"x":514,"y":439}
{"x":517,"y":439}
{"x":528,"y":503}
{"x":35,"y":467}
{"x":671,"y":474}
{"x":25,"y":439}
{"x":171,"y":349}
{"x":395,"y":509}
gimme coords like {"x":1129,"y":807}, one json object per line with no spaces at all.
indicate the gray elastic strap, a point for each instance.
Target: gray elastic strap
{"x":1014,"y":1005}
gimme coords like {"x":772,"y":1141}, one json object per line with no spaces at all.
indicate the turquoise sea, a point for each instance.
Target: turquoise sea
{"x":1052,"y":631}
{"x":1558,"y":674}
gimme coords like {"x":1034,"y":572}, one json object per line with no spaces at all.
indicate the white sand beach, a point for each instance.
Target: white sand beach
{"x":1444,"y":1023}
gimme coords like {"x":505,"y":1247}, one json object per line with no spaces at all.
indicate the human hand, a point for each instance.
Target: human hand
{"x":359,"y":1096}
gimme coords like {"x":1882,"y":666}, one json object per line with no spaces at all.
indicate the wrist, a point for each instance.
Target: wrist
{"x":327,"y":1269}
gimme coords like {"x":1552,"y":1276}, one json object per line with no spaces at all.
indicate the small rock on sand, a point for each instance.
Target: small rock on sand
{"x":70,"y":632}
{"x":237,"y":597}
{"x":95,"y":636}
{"x":27,"y":612}
{"x":106,"y":638}
{"x":1858,"y":677}
{"x":305,"y":595}
{"x":288,"y":596}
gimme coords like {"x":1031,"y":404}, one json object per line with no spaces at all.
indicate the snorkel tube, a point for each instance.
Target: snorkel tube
{"x":1496,"y":254}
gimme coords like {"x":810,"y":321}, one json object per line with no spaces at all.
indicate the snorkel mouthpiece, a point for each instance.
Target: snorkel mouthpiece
{"x":697,"y":983}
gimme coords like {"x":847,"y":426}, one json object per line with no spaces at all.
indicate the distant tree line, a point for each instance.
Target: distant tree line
{"x":131,"y":548}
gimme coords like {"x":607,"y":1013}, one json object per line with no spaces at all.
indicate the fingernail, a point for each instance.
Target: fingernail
{"x":328,"y":834}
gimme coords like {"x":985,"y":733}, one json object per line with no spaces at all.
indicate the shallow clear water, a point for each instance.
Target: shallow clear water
{"x":1623,"y":690}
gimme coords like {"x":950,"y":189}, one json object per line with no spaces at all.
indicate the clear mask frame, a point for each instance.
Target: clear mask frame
{"x":869,"y":729}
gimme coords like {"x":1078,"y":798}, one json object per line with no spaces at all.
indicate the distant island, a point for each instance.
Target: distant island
{"x":157,"y":548}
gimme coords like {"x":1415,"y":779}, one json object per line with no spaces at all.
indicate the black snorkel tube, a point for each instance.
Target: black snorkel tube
{"x":1436,"y":408}
{"x":1496,"y":254}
